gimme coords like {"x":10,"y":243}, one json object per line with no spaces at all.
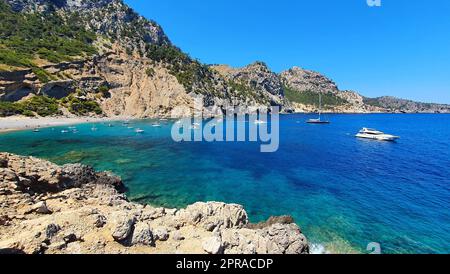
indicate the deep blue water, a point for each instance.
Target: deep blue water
{"x":342,"y":191}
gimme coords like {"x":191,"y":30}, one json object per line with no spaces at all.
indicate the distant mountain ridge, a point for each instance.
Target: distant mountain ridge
{"x":310,"y":82}
{"x":408,"y":106}
{"x":90,"y":57}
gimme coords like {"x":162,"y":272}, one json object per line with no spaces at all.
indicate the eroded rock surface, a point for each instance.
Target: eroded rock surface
{"x":51,"y":209}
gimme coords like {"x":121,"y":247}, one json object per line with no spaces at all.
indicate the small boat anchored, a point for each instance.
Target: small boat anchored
{"x":138,"y":130}
{"x":373,"y":134}
{"x":318,"y":120}
{"x":195,"y":126}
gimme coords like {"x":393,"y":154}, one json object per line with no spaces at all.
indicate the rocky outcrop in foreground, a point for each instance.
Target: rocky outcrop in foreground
{"x":45,"y":208}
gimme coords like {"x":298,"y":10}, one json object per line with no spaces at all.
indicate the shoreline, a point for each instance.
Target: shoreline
{"x":19,"y":123}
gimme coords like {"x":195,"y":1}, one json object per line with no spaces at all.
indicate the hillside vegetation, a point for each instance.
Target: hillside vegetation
{"x":24,"y":37}
{"x":45,"y":106}
{"x":40,"y":105}
{"x":194,"y":76}
{"x":108,"y":44}
{"x":312,"y":98}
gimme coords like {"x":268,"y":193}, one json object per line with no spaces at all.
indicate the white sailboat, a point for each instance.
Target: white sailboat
{"x":319,"y":120}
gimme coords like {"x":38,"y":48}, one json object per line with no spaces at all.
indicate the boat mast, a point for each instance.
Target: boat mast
{"x":320,"y":105}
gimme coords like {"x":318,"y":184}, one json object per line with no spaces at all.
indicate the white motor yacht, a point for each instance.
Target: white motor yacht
{"x":368,"y":133}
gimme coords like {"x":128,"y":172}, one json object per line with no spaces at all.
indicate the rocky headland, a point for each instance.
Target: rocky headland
{"x":125,"y":65}
{"x":72,"y":209}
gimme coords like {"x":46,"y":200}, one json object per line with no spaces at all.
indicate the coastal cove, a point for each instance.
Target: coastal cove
{"x":17,"y":123}
{"x":343,"y":192}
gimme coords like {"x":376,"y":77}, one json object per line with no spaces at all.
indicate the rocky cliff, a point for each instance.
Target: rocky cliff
{"x":45,"y":208}
{"x":136,"y":68}
{"x":102,"y":55}
{"x":255,"y":78}
{"x":303,"y":86}
{"x":109,"y":18}
{"x":306,"y":80}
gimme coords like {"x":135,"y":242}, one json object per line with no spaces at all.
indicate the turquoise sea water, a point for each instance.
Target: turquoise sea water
{"x":342,"y":191}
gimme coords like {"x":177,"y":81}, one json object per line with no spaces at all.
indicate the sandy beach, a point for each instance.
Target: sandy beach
{"x":23,"y":123}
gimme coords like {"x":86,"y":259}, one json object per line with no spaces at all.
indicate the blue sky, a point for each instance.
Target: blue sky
{"x":401,"y":48}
